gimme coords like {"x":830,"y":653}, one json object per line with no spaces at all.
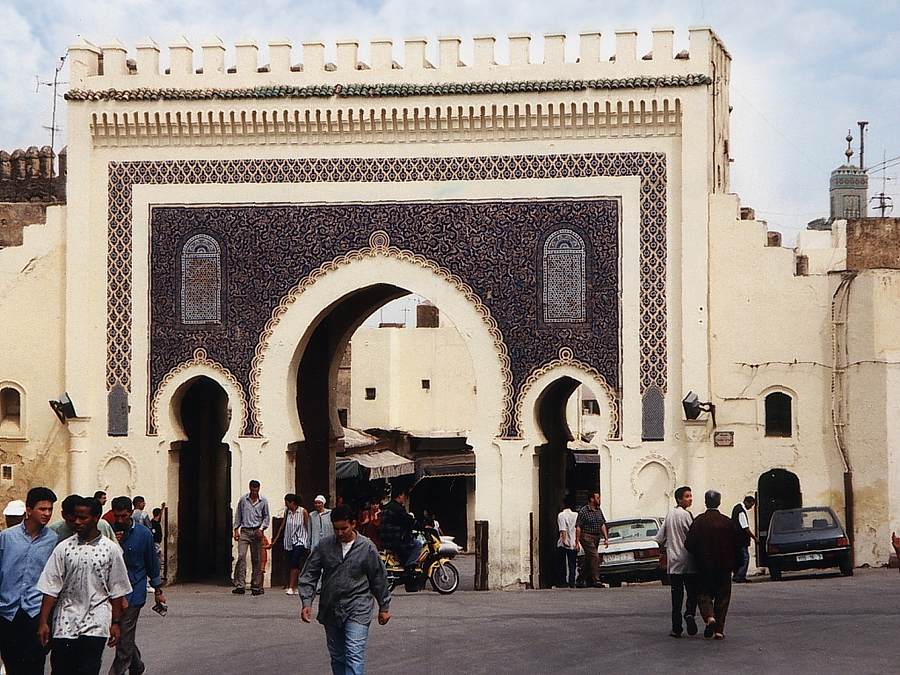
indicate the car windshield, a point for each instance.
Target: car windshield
{"x":803,"y":521}
{"x":623,"y":529}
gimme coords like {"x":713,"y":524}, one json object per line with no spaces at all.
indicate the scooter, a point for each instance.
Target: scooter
{"x":433,"y":565}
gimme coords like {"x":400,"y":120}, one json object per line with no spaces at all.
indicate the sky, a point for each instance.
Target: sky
{"x":803,"y":71}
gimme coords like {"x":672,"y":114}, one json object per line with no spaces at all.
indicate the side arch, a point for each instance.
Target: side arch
{"x":526,"y":409}
{"x":165,"y":418}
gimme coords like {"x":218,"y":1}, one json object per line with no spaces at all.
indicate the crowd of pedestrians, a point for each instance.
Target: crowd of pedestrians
{"x":73,"y":587}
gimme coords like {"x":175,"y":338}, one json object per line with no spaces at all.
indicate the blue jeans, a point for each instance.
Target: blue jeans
{"x":346,"y":645}
{"x":566,"y":561}
{"x":745,"y":565}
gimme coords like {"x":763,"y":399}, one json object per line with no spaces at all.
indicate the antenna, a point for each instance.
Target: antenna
{"x":885,"y":203}
{"x":55,"y":85}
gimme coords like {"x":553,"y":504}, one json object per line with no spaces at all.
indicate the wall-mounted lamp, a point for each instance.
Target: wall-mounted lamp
{"x":693,"y":406}
{"x":64,"y":408}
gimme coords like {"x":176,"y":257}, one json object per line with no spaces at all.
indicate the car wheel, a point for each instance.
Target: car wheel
{"x":774,"y":573}
{"x":847,"y":568}
{"x":615,"y":583}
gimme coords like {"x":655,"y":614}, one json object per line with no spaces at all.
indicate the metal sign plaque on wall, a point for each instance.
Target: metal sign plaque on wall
{"x":723,"y":439}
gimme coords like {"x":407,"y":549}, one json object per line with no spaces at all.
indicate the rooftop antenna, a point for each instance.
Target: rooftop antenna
{"x":884,"y":203}
{"x":862,"y":143}
{"x":55,"y":85}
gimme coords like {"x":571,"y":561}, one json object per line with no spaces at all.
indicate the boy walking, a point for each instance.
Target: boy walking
{"x":86,"y":581}
{"x":353,"y":578}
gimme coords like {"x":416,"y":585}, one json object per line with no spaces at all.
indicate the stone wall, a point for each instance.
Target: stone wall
{"x":873,"y":243}
{"x":28,"y":183}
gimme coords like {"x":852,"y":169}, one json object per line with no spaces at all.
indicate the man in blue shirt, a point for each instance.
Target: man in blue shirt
{"x":142,"y":564}
{"x":24,"y":550}
{"x":251,"y":518}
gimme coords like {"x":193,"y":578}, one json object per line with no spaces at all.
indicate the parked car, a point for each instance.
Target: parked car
{"x":807,"y":538}
{"x":633,"y":554}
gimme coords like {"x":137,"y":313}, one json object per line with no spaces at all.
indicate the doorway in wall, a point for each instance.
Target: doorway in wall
{"x":204,"y":486}
{"x":777,"y":489}
{"x":566,"y":465}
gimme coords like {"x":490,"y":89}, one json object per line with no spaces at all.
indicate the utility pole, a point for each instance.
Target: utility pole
{"x":55,"y":86}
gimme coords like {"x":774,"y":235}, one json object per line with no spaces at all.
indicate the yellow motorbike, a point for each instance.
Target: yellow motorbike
{"x":433,"y":565}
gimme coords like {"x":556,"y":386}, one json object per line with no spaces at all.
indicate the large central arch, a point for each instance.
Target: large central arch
{"x":342,"y":293}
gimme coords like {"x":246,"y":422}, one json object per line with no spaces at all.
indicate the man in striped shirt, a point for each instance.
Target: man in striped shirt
{"x":295,"y":527}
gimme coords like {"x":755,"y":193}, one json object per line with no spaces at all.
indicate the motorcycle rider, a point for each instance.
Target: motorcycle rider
{"x":397,"y":532}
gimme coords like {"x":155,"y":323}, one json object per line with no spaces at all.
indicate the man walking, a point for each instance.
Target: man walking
{"x":65,"y":528}
{"x":319,"y":522}
{"x":24,"y":550}
{"x":353,"y":579}
{"x":142,"y":564}
{"x":139,"y":515}
{"x":712,"y":540}
{"x":84,"y":585}
{"x":295,"y":527}
{"x":741,"y":517}
{"x":589,"y":527}
{"x":679,"y":564}
{"x":251,"y":518}
{"x":566,"y":545}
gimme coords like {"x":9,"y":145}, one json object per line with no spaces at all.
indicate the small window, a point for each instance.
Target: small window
{"x":654,"y":415}
{"x":7,"y":473}
{"x":426,"y":384}
{"x":201,"y":281}
{"x":778,"y":415}
{"x":370,"y":393}
{"x":10,"y":412}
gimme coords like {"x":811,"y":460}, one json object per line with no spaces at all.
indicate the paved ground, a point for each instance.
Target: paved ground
{"x":821,"y":623}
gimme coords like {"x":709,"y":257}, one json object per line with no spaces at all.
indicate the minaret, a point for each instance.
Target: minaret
{"x":849,"y":188}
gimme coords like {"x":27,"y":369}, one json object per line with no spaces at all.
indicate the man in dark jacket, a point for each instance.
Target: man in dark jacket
{"x":397,"y":530}
{"x":353,"y":580}
{"x":712,"y":541}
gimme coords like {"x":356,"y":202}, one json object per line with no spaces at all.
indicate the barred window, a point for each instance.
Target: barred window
{"x":654,"y":415}
{"x":778,"y":415}
{"x":564,"y":269}
{"x":201,"y":281}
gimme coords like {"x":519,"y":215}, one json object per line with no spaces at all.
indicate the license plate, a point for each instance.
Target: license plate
{"x":807,"y":557}
{"x":618,"y":557}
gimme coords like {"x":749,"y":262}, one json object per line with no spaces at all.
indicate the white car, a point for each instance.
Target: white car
{"x":633,"y":554}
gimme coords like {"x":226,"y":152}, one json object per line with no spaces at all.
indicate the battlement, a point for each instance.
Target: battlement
{"x":99,"y":68}
{"x":30,"y":176}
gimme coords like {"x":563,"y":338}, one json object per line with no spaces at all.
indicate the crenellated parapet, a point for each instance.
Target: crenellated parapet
{"x":98,"y":68}
{"x":412,"y":92}
{"x":30,"y":176}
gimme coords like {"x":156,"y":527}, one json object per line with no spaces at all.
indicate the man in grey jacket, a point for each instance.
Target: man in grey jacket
{"x":353,"y":578}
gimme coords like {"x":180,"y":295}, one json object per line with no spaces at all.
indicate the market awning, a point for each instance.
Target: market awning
{"x":440,"y":464}
{"x":373,"y":465}
{"x":584,"y":458}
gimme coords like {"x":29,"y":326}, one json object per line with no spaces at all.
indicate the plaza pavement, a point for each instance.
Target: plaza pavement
{"x":818,"y":623}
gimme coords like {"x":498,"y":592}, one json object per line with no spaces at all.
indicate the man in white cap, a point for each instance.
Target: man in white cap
{"x":319,"y":522}
{"x":14,"y":512}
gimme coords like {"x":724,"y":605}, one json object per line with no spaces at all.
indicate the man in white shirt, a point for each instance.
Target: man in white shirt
{"x":85,"y":581}
{"x":740,"y":514}
{"x":566,"y":545}
{"x":680,"y":564}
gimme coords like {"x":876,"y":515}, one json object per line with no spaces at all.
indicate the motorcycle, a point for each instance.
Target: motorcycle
{"x":433,"y":565}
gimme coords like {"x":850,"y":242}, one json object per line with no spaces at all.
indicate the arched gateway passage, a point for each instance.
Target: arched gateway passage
{"x":317,"y":384}
{"x":204,"y":494}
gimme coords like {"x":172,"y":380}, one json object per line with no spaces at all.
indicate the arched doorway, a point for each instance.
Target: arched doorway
{"x":561,"y":470}
{"x":317,"y":377}
{"x":777,"y":489}
{"x":204,"y":493}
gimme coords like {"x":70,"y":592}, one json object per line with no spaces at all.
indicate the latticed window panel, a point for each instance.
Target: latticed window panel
{"x":201,"y":281}
{"x":564,"y":263}
{"x":654,"y":415}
